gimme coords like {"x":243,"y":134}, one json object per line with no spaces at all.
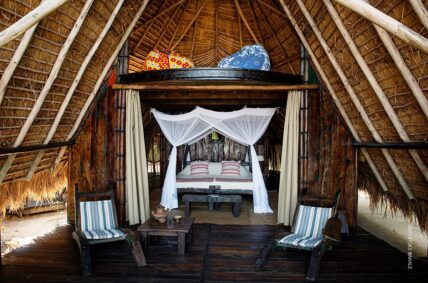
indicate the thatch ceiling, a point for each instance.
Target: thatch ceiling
{"x":369,"y":90}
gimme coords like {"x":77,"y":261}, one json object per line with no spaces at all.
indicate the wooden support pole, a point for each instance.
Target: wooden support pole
{"x":375,"y":85}
{"x":404,"y":70}
{"x":421,"y":11}
{"x":140,"y":28}
{"x":134,"y":51}
{"x":17,"y":56}
{"x":383,"y":20}
{"x":355,"y":99}
{"x":275,"y":37}
{"x":166,"y":27}
{"x":29,"y":148}
{"x":393,"y":145}
{"x":49,"y":82}
{"x":76,"y":82}
{"x":189,"y":25}
{"x":101,"y":79}
{"x":29,"y":20}
{"x":336,"y":100}
{"x":245,"y":21}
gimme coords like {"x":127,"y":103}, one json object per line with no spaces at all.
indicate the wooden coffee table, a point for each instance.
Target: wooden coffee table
{"x":153,"y":228}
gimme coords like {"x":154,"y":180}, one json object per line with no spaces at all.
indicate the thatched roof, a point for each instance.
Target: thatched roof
{"x":356,"y":62}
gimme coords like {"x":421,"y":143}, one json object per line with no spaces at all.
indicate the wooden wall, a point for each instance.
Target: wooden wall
{"x":331,"y":157}
{"x":97,"y":158}
{"x":92,"y":158}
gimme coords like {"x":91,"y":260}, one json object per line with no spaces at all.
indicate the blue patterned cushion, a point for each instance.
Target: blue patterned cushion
{"x":308,"y":228}
{"x":97,"y":220}
{"x":103,"y":234}
{"x":252,"y":57}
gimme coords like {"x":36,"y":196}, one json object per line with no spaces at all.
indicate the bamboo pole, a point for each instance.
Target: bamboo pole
{"x":166,"y":27}
{"x":388,"y":23}
{"x":29,"y":20}
{"x":355,"y":99}
{"x":49,"y":82}
{"x":421,"y":11}
{"x":189,"y":25}
{"x":101,"y":79}
{"x":245,"y":22}
{"x":375,"y":85}
{"x":336,"y":100}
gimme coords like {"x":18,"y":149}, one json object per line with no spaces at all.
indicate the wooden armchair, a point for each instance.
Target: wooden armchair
{"x":315,"y":228}
{"x":96,"y":223}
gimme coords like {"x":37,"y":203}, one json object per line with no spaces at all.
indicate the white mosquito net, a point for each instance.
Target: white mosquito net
{"x":245,"y":126}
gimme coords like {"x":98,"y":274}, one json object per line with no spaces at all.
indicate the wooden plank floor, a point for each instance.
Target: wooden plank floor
{"x":219,"y":253}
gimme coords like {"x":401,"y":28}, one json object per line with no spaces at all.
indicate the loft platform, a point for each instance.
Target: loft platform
{"x":208,"y":79}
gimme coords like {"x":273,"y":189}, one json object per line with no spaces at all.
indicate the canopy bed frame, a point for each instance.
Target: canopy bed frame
{"x":209,"y":87}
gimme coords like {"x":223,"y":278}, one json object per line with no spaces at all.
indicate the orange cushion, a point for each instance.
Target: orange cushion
{"x":161,"y":60}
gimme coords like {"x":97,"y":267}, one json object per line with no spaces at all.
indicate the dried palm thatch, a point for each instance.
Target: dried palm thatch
{"x":42,"y":187}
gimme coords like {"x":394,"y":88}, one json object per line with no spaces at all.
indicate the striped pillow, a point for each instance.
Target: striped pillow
{"x":230,"y":168}
{"x":199,"y":168}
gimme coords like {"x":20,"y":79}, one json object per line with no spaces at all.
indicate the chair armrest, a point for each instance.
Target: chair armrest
{"x":332,"y":229}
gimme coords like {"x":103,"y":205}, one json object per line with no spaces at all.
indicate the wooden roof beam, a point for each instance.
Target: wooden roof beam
{"x":101,"y":79}
{"x":375,"y":85}
{"x":152,"y":20}
{"x":166,"y":28}
{"x":255,"y":20}
{"x":16,"y":58}
{"x":78,"y":77}
{"x":336,"y":100}
{"x":189,"y":25}
{"x":421,"y":11}
{"x":355,"y":99}
{"x":403,"y":68}
{"x":40,"y":99}
{"x":276,"y":38}
{"x":179,"y":24}
{"x":29,"y":20}
{"x":383,"y":20}
{"x":273,"y":9}
{"x":49,"y":82}
{"x":245,"y":22}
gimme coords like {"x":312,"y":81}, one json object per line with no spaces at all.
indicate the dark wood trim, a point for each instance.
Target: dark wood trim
{"x":20,"y":149}
{"x":392,"y":145}
{"x":214,"y":87}
{"x":242,"y":76}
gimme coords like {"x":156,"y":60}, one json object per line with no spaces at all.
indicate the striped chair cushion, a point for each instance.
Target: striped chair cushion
{"x":199,"y":168}
{"x":308,"y":228}
{"x":97,"y":220}
{"x":230,"y":168}
{"x":103,"y":234}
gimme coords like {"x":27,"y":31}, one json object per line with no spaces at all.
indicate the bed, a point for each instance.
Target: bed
{"x":215,"y":182}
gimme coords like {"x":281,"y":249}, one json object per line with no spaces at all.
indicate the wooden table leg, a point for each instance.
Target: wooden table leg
{"x":145,"y":238}
{"x":181,"y":243}
{"x":236,"y":209}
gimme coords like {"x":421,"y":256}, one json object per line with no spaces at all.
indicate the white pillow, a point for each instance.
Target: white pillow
{"x":199,"y":168}
{"x":230,"y":168}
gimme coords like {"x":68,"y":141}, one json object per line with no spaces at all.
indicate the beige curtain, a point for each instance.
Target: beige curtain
{"x":137,"y":185}
{"x":288,"y":183}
